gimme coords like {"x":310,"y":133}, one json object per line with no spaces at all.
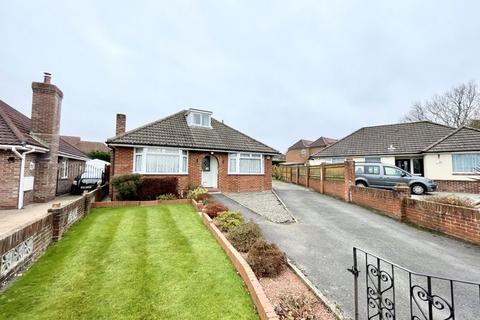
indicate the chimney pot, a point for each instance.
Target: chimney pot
{"x":47,"y":77}
{"x":121,"y":124}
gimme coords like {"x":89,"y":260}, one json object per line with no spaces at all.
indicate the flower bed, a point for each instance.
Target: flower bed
{"x":284,"y":295}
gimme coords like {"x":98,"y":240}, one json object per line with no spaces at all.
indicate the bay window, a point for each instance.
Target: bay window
{"x":245,"y":163}
{"x":160,"y":161}
{"x":465,"y":162}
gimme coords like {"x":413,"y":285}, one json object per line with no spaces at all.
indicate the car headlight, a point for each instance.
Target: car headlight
{"x":75,"y":182}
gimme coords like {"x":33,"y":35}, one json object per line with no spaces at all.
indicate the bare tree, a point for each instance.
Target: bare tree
{"x":458,"y":107}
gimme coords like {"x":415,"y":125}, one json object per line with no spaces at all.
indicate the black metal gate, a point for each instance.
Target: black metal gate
{"x":385,"y":291}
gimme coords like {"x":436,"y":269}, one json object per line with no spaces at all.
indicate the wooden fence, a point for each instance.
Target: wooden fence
{"x":331,"y":179}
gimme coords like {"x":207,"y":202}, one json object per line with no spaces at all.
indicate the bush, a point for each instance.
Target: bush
{"x":167,"y":196}
{"x":228,"y":220}
{"x":126,"y":186}
{"x":266,"y":259}
{"x":244,"y":236}
{"x":151,"y":187}
{"x":293,"y":307}
{"x":453,"y":200}
{"x":213,"y":209}
{"x":198,"y":193}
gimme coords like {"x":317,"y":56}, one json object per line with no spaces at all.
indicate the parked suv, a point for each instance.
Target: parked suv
{"x":382,"y":175}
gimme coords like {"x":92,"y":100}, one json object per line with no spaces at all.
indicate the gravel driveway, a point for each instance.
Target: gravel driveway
{"x":321,"y":242}
{"x":265,"y":204}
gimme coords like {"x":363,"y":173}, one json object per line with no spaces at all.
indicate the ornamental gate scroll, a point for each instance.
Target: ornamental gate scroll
{"x":386,"y":291}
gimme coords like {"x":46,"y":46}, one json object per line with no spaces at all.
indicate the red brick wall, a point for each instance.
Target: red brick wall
{"x":458,"y":186}
{"x":387,"y":201}
{"x":334,"y":188}
{"x":459,"y":222}
{"x":40,"y":230}
{"x":9,"y":179}
{"x":123,"y":164}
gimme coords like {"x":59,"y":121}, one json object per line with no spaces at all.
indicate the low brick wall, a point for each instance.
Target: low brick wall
{"x":21,"y":248}
{"x":114,"y":204}
{"x":27,"y":244}
{"x":386,"y":201}
{"x":334,"y":188}
{"x":458,"y":186}
{"x":459,"y":222}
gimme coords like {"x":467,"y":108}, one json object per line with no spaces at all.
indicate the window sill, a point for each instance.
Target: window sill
{"x":161,"y":174}
{"x":245,"y":174}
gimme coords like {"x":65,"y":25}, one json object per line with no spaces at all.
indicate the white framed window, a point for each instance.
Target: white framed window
{"x":200,"y":118}
{"x":153,"y":160}
{"x":245,"y":163}
{"x":465,"y":162}
{"x":64,"y":169}
{"x":338,"y":160}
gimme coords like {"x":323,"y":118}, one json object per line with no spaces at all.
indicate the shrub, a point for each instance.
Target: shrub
{"x":293,"y":307}
{"x":228,"y":220}
{"x":126,"y":186}
{"x":151,"y":187}
{"x":244,"y":236}
{"x":453,"y":200}
{"x":213,"y":209}
{"x":266,"y":259}
{"x":167,"y":196}
{"x":198,"y":193}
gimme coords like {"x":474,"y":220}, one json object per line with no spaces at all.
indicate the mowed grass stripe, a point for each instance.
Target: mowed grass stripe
{"x":132,"y":263}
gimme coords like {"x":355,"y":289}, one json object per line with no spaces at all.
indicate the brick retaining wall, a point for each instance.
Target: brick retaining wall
{"x":386,"y":201}
{"x":458,"y":186}
{"x":29,"y":243}
{"x":459,"y":222}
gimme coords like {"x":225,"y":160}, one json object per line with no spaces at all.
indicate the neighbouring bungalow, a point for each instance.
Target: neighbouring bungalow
{"x":197,"y":149}
{"x":449,"y":156}
{"x":35,"y":161}
{"x":301,"y":150}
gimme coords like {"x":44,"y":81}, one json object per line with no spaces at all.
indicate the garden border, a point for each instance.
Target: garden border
{"x":114,"y":204}
{"x":264,"y":307}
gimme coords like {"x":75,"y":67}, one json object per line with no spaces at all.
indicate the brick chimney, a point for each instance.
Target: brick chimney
{"x":46,"y":112}
{"x":121,"y":124}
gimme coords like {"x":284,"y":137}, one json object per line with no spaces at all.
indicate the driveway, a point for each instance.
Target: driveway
{"x":321,"y":243}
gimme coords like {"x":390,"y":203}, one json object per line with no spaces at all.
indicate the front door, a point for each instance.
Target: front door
{"x":209,"y":172}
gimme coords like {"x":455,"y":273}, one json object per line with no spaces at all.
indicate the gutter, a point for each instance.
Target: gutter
{"x":22,"y":156}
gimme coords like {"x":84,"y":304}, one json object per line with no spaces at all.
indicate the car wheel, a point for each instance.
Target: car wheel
{"x":361,"y":184}
{"x":418,"y":189}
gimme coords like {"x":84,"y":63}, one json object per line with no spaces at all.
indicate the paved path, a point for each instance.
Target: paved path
{"x":14,"y":219}
{"x":321,"y":242}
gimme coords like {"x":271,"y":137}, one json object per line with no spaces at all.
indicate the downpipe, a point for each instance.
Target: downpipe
{"x":22,"y":156}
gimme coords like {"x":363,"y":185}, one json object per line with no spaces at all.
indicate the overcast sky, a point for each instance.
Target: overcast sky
{"x":276,"y":70}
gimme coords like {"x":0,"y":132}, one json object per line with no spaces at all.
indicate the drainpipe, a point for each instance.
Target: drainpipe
{"x":22,"y":156}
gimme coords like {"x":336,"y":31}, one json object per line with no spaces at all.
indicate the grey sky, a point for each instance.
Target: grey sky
{"x":276,"y":70}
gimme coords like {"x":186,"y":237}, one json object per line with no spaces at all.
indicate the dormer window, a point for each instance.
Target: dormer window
{"x":199,"y":118}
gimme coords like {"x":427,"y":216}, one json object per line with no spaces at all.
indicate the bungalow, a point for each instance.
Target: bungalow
{"x":35,"y":161}
{"x":196,"y":148}
{"x":447,"y":155}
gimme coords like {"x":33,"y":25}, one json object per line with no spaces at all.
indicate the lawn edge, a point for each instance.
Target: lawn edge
{"x":264,"y":307}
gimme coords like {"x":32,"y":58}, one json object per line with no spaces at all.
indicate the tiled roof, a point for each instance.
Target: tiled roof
{"x":322,"y":142}
{"x":15,"y":128}
{"x":86,"y":146}
{"x":462,"y":139}
{"x":402,"y":138}
{"x":300,"y":144}
{"x":174,"y":131}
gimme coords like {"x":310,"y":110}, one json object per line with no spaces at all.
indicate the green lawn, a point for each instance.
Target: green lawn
{"x":132,"y":263}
